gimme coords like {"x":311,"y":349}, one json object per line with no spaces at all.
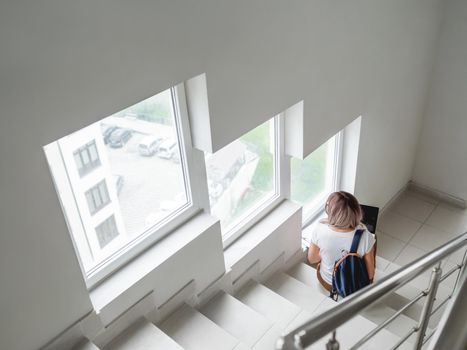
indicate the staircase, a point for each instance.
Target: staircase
{"x":255,"y":317}
{"x":258,"y":307}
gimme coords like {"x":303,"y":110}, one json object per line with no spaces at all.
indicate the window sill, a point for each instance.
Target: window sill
{"x":259,"y":232}
{"x":104,"y":294}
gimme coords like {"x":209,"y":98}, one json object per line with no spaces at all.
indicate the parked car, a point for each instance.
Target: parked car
{"x":119,"y":137}
{"x":165,"y":208}
{"x":167,"y":149}
{"x":118,"y":183}
{"x":107,"y":130}
{"x":149,"y":145}
{"x":176,"y":156}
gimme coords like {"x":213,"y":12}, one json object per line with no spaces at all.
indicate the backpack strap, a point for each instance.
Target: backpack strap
{"x":356,"y":240}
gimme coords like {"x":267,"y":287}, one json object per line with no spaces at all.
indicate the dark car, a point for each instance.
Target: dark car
{"x":107,"y":131}
{"x":119,"y":137}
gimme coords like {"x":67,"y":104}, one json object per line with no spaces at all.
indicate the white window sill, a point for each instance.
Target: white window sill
{"x":129,"y":275}
{"x":308,"y":227}
{"x":259,"y":232}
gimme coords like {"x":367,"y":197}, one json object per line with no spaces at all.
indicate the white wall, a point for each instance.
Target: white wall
{"x":441,"y":158}
{"x":65,"y":64}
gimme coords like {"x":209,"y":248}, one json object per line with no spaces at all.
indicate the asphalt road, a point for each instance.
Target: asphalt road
{"x":148,"y":183}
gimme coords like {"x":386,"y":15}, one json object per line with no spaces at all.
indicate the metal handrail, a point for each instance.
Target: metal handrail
{"x":387,"y":322}
{"x":318,"y":327}
{"x":450,"y":332}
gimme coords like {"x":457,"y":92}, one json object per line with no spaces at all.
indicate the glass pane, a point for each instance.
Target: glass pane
{"x":85,"y":157}
{"x":79,"y":164}
{"x":90,"y":201}
{"x":93,"y":152}
{"x":106,"y":232}
{"x":311,"y":178}
{"x":241,"y":175}
{"x":97,"y":197}
{"x":149,"y":184}
{"x":134,"y":156}
{"x":103,"y":192}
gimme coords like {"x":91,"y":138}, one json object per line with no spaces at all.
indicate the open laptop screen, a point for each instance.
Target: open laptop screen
{"x":370,"y":217}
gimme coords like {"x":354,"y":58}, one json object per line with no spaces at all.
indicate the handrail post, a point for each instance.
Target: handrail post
{"x":461,"y":270}
{"x":332,"y":344}
{"x":428,"y":306}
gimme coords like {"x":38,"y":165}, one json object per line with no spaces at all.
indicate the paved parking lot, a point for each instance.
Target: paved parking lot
{"x":148,"y":182}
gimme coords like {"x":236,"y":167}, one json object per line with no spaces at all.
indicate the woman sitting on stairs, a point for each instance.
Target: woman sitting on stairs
{"x":332,"y":237}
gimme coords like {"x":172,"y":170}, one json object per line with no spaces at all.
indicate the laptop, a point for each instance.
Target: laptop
{"x":370,"y":217}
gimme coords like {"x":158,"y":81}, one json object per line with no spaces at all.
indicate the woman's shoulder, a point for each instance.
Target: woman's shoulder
{"x":321,"y":226}
{"x":318,"y":230}
{"x":367,"y":237}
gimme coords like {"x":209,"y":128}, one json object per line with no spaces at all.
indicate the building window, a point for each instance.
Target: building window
{"x":97,"y":197}
{"x":139,"y":186}
{"x":315,"y":177}
{"x":242,"y":176}
{"x":86,"y":158}
{"x":106,"y":231}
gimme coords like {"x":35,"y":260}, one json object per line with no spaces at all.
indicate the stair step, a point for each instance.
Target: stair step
{"x":349,"y":333}
{"x":307,"y":275}
{"x":194,"y":331}
{"x":376,"y":313}
{"x":409,"y":291}
{"x":238,"y":319}
{"x":271,"y":305}
{"x":143,"y":335}
{"x":302,"y":277}
{"x":298,"y":321}
{"x":86,"y":345}
{"x":379,"y":312}
{"x":382,"y":263}
{"x":295,"y":291}
{"x":304,"y":315}
{"x":269,"y":340}
{"x":241,"y":346}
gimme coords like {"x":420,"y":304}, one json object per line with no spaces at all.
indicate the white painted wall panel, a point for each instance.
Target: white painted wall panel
{"x":441,"y":159}
{"x":65,"y":64}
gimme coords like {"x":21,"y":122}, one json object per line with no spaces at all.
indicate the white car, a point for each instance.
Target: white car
{"x":149,"y":145}
{"x":167,"y":149}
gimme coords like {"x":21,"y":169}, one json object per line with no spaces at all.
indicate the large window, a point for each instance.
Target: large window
{"x":242,"y":176}
{"x":121,"y":180}
{"x":129,"y":179}
{"x":315,"y":177}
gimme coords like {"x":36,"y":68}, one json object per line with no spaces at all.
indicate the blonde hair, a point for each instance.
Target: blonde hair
{"x":343,"y":210}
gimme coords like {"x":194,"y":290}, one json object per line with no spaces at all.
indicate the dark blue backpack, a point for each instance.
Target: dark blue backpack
{"x":350,"y":273}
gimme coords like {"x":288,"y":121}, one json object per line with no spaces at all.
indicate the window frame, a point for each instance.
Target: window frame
{"x":191,"y":174}
{"x":310,"y":216}
{"x":176,"y":218}
{"x":261,"y":209}
{"x":195,"y":177}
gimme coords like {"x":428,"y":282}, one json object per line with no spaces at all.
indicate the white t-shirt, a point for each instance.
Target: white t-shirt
{"x":333,"y":245}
